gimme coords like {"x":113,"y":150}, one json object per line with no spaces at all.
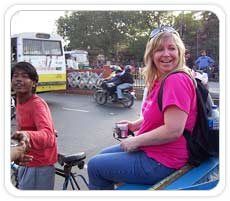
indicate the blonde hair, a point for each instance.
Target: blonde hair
{"x":150,"y":71}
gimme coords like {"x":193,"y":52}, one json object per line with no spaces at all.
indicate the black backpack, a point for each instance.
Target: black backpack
{"x":202,"y":142}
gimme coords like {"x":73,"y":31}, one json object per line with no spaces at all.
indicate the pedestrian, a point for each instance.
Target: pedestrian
{"x":34,"y":128}
{"x":136,"y":71}
{"x":159,"y":147}
{"x":204,"y":62}
{"x":189,"y":60}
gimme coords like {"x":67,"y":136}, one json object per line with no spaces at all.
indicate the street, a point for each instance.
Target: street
{"x":84,"y":126}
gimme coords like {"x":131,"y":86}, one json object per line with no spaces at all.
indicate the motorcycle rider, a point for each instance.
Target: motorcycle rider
{"x":113,"y":76}
{"x":204,"y":63}
{"x":113,"y":80}
{"x":126,"y":81}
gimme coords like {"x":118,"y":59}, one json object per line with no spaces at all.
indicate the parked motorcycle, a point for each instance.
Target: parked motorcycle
{"x":107,"y":93}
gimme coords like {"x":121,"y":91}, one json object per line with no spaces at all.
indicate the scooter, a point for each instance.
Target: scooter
{"x":107,"y":93}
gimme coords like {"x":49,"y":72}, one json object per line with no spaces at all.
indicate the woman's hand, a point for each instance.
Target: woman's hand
{"x":133,"y":126}
{"x":130,"y":125}
{"x":129,"y":144}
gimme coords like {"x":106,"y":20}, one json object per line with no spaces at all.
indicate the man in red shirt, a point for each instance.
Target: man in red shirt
{"x":35,"y":128}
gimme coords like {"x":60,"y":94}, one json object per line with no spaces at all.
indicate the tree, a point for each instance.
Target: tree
{"x":92,"y":30}
{"x":210,"y":34}
{"x":199,"y":30}
{"x":113,"y":32}
{"x":189,"y":26}
{"x":139,"y":31}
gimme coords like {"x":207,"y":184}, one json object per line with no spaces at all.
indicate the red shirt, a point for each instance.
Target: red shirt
{"x":179,"y":91}
{"x":34,"y":117}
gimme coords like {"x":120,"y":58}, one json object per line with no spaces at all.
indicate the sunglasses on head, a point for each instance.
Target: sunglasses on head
{"x":161,"y":29}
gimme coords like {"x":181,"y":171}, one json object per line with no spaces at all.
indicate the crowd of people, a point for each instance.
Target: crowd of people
{"x":158,"y":148}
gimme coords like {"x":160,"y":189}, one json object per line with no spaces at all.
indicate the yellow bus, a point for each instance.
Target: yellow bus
{"x":46,"y":53}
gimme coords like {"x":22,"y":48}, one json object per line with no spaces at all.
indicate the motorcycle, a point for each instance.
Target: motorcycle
{"x":107,"y":93}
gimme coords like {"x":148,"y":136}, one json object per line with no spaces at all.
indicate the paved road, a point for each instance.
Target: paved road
{"x":85,"y":126}
{"x":214,"y":87}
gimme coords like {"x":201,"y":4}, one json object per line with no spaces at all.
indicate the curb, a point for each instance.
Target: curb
{"x":138,"y":91}
{"x":88,"y":92}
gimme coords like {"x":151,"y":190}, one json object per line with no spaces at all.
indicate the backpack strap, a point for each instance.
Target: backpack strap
{"x":160,"y":94}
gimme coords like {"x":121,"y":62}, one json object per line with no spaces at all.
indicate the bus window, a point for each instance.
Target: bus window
{"x":41,"y":47}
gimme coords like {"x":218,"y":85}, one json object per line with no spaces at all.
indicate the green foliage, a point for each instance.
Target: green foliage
{"x":126,"y":32}
{"x":210,"y":35}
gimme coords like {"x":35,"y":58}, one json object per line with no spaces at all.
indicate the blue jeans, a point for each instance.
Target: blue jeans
{"x":120,"y":87}
{"x":114,"y":165}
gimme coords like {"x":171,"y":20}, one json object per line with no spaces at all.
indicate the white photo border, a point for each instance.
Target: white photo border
{"x":222,"y":47}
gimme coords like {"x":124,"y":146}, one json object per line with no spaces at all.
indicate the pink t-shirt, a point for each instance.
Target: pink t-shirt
{"x":179,"y":91}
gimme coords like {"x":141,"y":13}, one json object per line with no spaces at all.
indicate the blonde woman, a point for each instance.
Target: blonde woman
{"x":159,"y":147}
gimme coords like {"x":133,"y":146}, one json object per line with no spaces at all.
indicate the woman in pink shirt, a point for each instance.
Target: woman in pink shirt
{"x":159,"y":148}
{"x":35,"y":129}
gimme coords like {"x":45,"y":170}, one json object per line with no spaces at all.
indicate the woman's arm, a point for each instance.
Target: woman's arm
{"x":173,"y":127}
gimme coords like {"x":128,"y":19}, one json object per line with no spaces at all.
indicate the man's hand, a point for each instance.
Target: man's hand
{"x":18,"y":154}
{"x":22,"y":136}
{"x":24,"y":159}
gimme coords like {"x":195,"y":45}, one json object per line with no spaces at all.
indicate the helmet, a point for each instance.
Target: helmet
{"x":115,"y":68}
{"x":127,"y":68}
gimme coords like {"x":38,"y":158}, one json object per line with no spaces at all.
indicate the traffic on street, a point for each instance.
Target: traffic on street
{"x":85,"y":126}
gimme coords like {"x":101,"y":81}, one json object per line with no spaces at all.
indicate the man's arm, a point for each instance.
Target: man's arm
{"x":210,"y":61}
{"x":197,"y":62}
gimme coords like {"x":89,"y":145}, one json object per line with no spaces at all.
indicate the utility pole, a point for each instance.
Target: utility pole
{"x":197,"y":42}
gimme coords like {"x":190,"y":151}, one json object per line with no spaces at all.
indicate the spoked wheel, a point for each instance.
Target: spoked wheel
{"x":128,"y":100}
{"x":100,"y":97}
